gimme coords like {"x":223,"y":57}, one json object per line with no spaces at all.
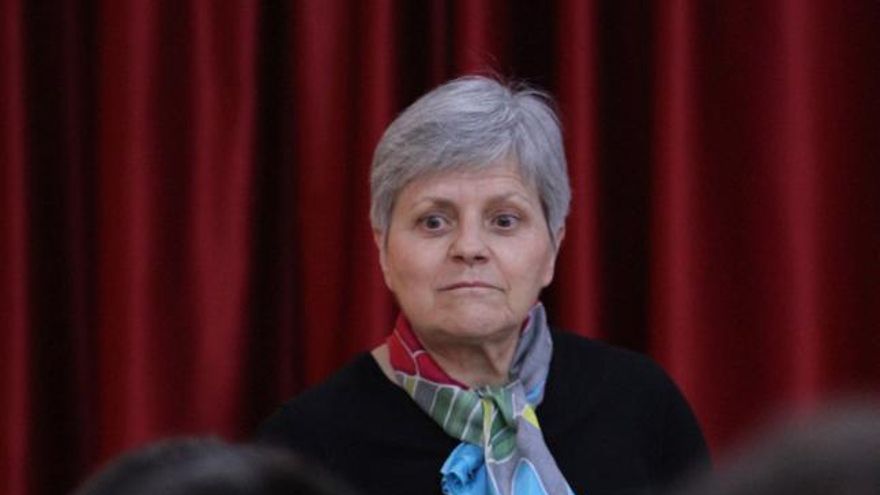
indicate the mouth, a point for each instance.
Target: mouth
{"x":468,"y":285}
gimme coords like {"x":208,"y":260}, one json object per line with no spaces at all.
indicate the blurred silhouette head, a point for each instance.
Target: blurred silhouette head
{"x":209,"y":466}
{"x":836,"y":452}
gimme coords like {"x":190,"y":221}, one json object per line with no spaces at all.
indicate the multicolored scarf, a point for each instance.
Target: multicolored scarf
{"x":502,"y":450}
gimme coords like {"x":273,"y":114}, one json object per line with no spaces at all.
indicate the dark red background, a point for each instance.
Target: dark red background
{"x":184,"y":239}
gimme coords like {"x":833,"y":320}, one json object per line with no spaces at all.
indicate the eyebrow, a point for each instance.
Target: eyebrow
{"x":446,"y":203}
{"x":506,"y":196}
{"x":435,"y":201}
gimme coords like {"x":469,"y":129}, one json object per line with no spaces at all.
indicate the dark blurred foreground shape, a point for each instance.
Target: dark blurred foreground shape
{"x":194,"y":466}
{"x":836,"y":452}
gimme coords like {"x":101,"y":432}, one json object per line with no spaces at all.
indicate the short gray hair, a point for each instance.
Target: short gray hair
{"x":469,"y":123}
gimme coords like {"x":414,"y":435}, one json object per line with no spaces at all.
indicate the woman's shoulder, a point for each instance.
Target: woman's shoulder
{"x":355,"y":415}
{"x":605,"y":376}
{"x":357,"y":395}
{"x":323,"y":406}
{"x":598,"y":360}
{"x":625,"y":392}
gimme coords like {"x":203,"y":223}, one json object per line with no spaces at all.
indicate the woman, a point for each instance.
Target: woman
{"x":473,"y":393}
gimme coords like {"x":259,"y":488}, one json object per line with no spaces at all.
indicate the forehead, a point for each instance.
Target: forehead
{"x":494,"y":181}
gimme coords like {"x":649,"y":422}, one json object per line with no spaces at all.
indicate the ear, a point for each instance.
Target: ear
{"x":550,"y":269}
{"x":560,"y":235}
{"x":379,"y":239}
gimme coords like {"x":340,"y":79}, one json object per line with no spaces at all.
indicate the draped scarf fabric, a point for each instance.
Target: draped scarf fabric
{"x":502,"y":450}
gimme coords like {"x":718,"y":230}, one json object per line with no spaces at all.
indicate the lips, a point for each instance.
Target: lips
{"x":468,"y":285}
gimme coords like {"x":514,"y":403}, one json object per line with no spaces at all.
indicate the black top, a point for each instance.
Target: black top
{"x":613,"y":420}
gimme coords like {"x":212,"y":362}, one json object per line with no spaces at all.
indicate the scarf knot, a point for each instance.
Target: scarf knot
{"x":500,"y":401}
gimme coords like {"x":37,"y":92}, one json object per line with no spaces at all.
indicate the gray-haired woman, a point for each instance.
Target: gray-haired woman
{"x":473,"y":392}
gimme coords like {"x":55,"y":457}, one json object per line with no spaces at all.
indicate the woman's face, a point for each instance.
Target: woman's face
{"x":466,"y":254}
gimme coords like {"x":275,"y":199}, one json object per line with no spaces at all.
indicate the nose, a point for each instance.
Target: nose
{"x":468,"y":246}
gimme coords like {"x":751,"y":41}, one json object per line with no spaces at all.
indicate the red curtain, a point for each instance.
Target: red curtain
{"x":184,"y":239}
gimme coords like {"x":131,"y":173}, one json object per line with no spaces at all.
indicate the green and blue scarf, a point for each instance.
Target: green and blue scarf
{"x":502,"y":450}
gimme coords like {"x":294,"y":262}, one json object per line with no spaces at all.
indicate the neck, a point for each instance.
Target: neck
{"x":472,"y":365}
{"x":476,"y":364}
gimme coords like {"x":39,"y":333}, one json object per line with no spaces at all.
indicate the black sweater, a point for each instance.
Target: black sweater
{"x":612,"y":419}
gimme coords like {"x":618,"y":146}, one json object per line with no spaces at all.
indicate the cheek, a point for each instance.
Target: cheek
{"x":532,"y":269}
{"x":407,"y":269}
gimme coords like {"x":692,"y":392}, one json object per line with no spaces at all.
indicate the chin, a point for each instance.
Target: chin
{"x":478,"y":322}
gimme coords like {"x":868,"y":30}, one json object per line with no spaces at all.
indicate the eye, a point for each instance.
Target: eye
{"x":433,"y":222}
{"x":505,"y":221}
